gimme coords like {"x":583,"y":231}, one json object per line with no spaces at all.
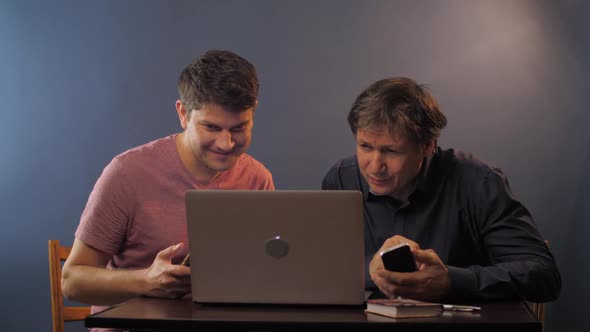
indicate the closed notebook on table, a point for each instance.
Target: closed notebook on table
{"x":403,"y":308}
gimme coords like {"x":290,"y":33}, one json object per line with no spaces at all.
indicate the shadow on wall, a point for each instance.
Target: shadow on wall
{"x":574,"y":267}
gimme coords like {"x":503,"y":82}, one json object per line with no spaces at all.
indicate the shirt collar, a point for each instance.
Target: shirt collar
{"x":422,"y":177}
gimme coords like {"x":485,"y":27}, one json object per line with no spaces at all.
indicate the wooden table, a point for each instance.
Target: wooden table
{"x":184,"y":315}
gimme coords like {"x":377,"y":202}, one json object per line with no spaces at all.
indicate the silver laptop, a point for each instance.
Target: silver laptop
{"x":280,"y":247}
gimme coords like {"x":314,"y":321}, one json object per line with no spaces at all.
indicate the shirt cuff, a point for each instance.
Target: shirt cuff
{"x":462,"y":283}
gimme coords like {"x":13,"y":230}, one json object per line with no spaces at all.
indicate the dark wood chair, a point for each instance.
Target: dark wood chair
{"x":539,"y":311}
{"x":539,"y":308}
{"x":59,"y":312}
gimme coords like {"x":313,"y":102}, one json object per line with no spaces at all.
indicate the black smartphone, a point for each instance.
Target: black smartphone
{"x":399,"y":259}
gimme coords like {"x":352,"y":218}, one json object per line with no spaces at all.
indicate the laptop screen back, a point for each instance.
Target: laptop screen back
{"x":286,"y":247}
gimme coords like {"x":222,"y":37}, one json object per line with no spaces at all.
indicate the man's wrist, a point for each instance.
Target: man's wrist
{"x":139,"y":282}
{"x":446,"y":283}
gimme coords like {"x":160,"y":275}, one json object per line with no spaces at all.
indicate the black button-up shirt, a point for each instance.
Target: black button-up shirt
{"x":465,"y":211}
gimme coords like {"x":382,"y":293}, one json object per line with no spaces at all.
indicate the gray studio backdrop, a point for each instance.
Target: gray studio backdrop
{"x":81,"y":81}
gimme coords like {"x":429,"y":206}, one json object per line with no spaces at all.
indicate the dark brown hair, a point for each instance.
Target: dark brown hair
{"x":219,"y":77}
{"x":398,"y":103}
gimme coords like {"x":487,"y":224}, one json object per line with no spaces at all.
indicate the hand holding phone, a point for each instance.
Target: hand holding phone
{"x":186,"y":261}
{"x":399,"y":259}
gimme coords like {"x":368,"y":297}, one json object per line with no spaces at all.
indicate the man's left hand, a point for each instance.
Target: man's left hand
{"x":429,"y":283}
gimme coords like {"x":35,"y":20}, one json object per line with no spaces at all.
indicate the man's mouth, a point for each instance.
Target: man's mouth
{"x":377,"y":180}
{"x":225,"y":154}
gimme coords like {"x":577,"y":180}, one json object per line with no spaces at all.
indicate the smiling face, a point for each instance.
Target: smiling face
{"x":214,"y":137}
{"x":389,"y":163}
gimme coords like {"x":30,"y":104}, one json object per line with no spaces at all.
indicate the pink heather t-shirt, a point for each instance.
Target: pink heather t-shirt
{"x":136,"y":208}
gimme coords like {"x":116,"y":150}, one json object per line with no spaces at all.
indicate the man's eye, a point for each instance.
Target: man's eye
{"x":365,"y":146}
{"x":390,"y":151}
{"x":237,"y":129}
{"x":211,"y":127}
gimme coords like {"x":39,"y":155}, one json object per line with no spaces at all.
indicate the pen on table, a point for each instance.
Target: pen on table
{"x":454,"y":307}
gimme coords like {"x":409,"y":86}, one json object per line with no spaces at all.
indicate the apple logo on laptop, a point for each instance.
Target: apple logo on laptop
{"x":276,"y":247}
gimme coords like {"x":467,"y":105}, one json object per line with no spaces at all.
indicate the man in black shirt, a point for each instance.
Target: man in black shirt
{"x":471,"y":238}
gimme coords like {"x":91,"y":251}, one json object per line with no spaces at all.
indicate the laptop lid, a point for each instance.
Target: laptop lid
{"x":282,"y":247}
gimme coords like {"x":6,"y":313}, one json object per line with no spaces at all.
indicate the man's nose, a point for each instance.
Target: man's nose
{"x":225,"y":141}
{"x":377,"y":163}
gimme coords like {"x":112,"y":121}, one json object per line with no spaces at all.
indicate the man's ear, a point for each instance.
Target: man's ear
{"x":183,"y":114}
{"x":429,"y":148}
{"x":255,"y":107}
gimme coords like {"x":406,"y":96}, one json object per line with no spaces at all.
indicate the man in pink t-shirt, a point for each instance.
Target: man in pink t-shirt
{"x":133,"y":229}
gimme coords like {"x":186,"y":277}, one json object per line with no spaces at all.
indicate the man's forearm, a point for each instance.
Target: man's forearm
{"x":528,"y":280}
{"x":99,"y":286}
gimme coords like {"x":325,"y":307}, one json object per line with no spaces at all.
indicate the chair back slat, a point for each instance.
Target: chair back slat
{"x":59,"y":312}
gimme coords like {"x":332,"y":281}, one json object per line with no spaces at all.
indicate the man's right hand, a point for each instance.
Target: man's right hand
{"x":429,"y":283}
{"x":377,"y":263}
{"x":164,"y":279}
{"x":86,"y":279}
